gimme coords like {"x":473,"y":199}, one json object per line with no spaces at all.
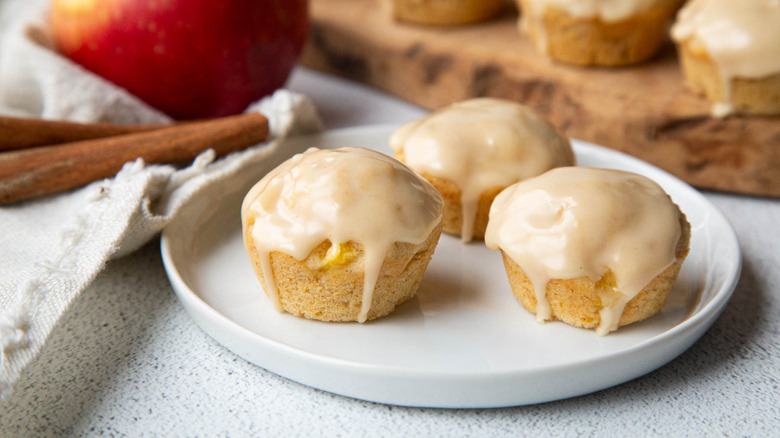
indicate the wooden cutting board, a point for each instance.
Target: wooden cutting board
{"x":645,"y":111}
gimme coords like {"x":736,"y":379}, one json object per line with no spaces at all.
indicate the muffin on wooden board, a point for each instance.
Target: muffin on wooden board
{"x":730,"y":52}
{"x":341,"y":235}
{"x":597,"y":32}
{"x":594,"y":248}
{"x":472,"y":150}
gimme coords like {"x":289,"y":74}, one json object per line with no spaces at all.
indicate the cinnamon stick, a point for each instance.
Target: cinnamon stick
{"x":20,"y":133}
{"x":28,"y":173}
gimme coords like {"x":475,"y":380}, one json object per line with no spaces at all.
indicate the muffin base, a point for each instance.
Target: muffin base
{"x":312,"y":290}
{"x":591,"y":41}
{"x":578,"y":301}
{"x":760,"y":96}
{"x":452,"y":220}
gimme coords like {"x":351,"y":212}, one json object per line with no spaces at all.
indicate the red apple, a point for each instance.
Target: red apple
{"x":187,"y":58}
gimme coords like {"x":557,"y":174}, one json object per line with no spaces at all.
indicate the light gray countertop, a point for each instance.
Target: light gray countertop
{"x":126,"y":360}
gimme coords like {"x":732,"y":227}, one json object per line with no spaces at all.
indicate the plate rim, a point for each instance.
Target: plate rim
{"x":685,"y":333}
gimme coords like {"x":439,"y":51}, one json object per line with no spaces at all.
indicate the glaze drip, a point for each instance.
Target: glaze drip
{"x":574,"y":222}
{"x":340,"y":195}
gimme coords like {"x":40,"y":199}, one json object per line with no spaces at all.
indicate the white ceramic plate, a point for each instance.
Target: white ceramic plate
{"x":464,"y":341}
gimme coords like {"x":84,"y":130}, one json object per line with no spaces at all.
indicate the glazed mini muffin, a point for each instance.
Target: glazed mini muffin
{"x":341,"y":235}
{"x":443,"y":12}
{"x":597,"y":32}
{"x":730,"y":52}
{"x":472,"y":150}
{"x":594,"y":248}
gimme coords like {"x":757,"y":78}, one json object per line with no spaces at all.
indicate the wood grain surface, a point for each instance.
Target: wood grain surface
{"x":645,"y":111}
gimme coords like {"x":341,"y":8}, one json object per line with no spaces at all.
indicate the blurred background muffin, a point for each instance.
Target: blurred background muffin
{"x":730,"y":53}
{"x":597,"y":32}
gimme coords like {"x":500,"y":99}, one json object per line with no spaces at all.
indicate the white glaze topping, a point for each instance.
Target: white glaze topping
{"x":741,"y":37}
{"x":340,"y":195}
{"x":481,"y":144}
{"x":577,"y":222}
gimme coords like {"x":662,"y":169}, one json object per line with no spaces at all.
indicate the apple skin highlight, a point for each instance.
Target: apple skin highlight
{"x":188,"y":58}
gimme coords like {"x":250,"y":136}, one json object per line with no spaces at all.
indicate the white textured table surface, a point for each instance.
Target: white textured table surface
{"x":127,"y":361}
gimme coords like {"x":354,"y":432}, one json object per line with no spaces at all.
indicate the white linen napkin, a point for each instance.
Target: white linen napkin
{"x":53,"y":247}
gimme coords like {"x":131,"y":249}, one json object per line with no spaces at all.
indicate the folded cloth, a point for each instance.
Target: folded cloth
{"x":53,"y":247}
